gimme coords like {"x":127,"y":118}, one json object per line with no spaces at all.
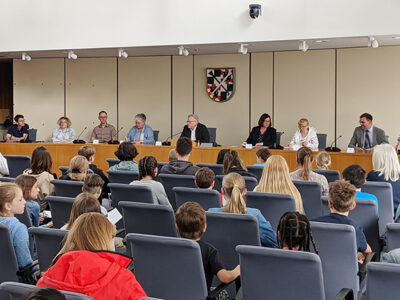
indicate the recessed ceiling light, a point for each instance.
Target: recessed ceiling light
{"x":320,"y":41}
{"x":396,"y":37}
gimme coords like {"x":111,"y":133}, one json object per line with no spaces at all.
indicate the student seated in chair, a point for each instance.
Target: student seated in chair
{"x":342,"y":196}
{"x":262,"y":156}
{"x":204,"y":178}
{"x":191,"y":222}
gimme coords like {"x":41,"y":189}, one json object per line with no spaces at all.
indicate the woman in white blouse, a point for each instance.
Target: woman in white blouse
{"x":63,"y":134}
{"x":305,"y":136}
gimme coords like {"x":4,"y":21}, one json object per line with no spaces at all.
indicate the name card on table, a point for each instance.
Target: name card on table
{"x":158,"y":143}
{"x":296,"y":147}
{"x":95,"y":142}
{"x":350,"y":150}
{"x":249,"y":146}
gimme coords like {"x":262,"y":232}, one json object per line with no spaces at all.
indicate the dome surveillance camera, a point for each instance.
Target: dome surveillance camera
{"x":254,"y":10}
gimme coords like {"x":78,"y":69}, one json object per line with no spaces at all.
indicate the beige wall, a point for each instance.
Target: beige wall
{"x":303,"y":85}
{"x":39,"y":93}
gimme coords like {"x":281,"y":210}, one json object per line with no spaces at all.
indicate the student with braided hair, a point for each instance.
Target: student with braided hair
{"x":304,"y":172}
{"x":148,"y":171}
{"x":234,"y":189}
{"x":294,"y":232}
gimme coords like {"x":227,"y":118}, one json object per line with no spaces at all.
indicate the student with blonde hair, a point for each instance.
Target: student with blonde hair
{"x":275,"y":179}
{"x":305,"y":136}
{"x":83,"y":203}
{"x":323,"y":160}
{"x":87,"y":263}
{"x":304,"y":171}
{"x":78,"y":169}
{"x":234,"y":189}
{"x":386,"y":168}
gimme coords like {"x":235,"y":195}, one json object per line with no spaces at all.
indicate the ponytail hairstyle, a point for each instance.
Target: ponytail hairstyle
{"x":323,"y":160}
{"x":294,"y":231}
{"x":78,"y":168}
{"x":232,"y":159}
{"x":147,"y":167}
{"x":234,"y":185}
{"x":304,"y":159}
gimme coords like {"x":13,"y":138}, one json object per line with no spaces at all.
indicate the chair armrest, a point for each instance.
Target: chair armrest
{"x":345,"y":294}
{"x":212,"y":295}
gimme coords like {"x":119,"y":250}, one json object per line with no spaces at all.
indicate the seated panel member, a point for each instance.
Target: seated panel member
{"x":263,"y":134}
{"x":305,"y":136}
{"x":104,"y":132}
{"x":195,"y":131}
{"x":63,"y":134}
{"x":140,"y":133}
{"x":367,"y":136}
{"x":19,"y":130}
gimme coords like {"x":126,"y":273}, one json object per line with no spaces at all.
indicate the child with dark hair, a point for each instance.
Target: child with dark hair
{"x":233,"y":163}
{"x":126,"y":153}
{"x":294,"y":232}
{"x":30,"y":192}
{"x":221,"y":155}
{"x":262,"y":156}
{"x":191,"y":223}
{"x":204,"y":178}
{"x":148,"y":171}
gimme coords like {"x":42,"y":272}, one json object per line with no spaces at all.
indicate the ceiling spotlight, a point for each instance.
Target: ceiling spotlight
{"x":72,"y":55}
{"x":303,"y":46}
{"x":320,"y":41}
{"x":26,"y":57}
{"x":122,"y":53}
{"x":372,"y":42}
{"x":183,"y":51}
{"x":243,"y":48}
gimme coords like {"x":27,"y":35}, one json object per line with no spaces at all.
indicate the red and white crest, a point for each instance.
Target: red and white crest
{"x":220,"y":84}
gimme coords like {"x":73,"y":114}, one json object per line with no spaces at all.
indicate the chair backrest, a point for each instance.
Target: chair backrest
{"x":337,"y":248}
{"x":122,"y":176}
{"x":25,"y":219}
{"x":7,"y":179}
{"x":16,"y":290}
{"x":382,"y":281}
{"x":112,"y":161}
{"x":206,"y":198}
{"x":250,"y":182}
{"x":169,"y":268}
{"x":169,"y":181}
{"x":330,"y":175}
{"x":63,"y":170}
{"x":218,"y":169}
{"x":272,"y":206}
{"x":148,"y":219}
{"x":131,"y":193}
{"x":311,"y":193}
{"x":382,"y":191}
{"x":60,"y":208}
{"x":67,"y":188}
{"x":256,"y":170}
{"x":325,"y":205}
{"x":161,"y":164}
{"x":280,"y":274}
{"x":278,"y":137}
{"x":32,"y":133}
{"x":49,"y":242}
{"x":155,"y":134}
{"x":213,"y":134}
{"x":17,"y":164}
{"x":8,"y":260}
{"x":321,"y":140}
{"x":392,"y":236}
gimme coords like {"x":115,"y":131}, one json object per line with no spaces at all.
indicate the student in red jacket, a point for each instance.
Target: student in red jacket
{"x":87,"y":264}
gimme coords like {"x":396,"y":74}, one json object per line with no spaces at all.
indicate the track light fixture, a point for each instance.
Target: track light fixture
{"x":243,"y":48}
{"x":183,"y":51}
{"x":122,"y":53}
{"x":303,"y":46}
{"x":372,"y":42}
{"x":72,"y":55}
{"x":26,"y":57}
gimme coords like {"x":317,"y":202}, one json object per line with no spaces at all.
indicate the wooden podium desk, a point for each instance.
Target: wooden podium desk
{"x":62,"y":154}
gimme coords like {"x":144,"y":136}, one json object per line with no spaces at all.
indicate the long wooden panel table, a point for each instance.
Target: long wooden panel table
{"x":62,"y":154}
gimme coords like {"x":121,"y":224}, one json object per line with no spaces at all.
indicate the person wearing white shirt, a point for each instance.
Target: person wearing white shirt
{"x":305,"y":136}
{"x":63,"y":134}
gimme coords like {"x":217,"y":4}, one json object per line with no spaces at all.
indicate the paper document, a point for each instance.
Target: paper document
{"x":114,"y":216}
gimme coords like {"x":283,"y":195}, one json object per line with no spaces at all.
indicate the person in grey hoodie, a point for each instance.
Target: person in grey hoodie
{"x":182,"y":165}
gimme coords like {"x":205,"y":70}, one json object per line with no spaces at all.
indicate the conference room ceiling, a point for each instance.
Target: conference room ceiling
{"x":204,"y":49}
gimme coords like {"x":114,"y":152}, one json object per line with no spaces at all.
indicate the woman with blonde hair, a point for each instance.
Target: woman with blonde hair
{"x":87,"y":263}
{"x":78,"y":168}
{"x":275,"y":179}
{"x":305,"y":136}
{"x":63,"y":134}
{"x":386,"y":168}
{"x":323,"y":160}
{"x":304,"y":172}
{"x":234,"y":189}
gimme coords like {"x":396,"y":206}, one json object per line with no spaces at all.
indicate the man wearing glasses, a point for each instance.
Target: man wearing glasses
{"x":104,"y":132}
{"x":196,"y":131}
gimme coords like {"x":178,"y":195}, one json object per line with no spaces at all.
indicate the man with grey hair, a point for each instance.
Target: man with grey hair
{"x":195,"y":131}
{"x":140,"y":133}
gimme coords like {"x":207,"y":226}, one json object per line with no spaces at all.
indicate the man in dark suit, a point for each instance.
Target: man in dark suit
{"x":367,"y":136}
{"x":195,"y":131}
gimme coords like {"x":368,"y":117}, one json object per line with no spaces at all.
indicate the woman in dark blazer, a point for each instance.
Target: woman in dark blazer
{"x":263,"y":134}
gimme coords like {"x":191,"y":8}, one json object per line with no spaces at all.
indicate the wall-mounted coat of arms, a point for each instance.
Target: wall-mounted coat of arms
{"x":221,"y":84}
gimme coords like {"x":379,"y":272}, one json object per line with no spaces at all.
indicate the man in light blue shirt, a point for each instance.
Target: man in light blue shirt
{"x":140,"y":133}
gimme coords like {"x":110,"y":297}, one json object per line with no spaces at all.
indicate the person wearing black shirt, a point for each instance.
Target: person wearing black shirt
{"x":19,"y":130}
{"x":195,"y":131}
{"x":263,"y":134}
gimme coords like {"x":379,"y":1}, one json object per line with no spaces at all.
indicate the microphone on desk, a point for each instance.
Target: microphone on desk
{"x":334,"y":149}
{"x":167,"y":142}
{"x":112,"y":142}
{"x":78,"y":141}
